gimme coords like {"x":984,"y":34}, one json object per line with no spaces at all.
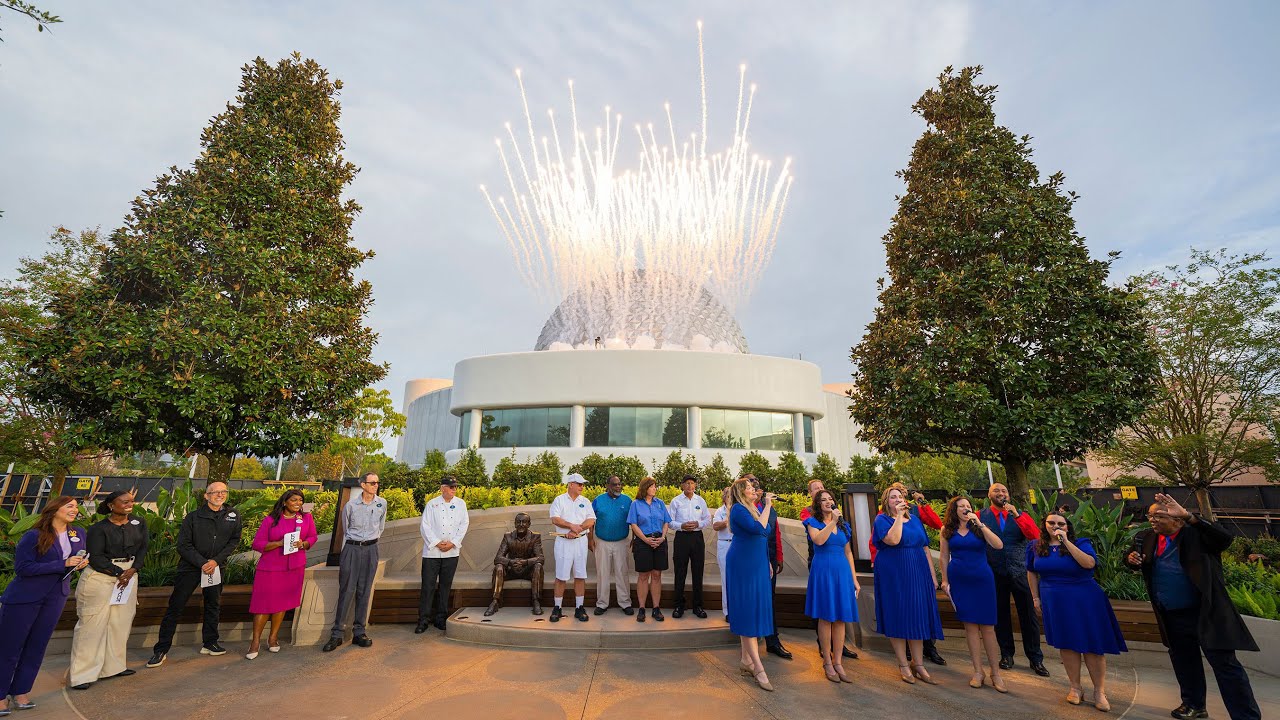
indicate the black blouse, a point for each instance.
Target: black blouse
{"x":107,"y":541}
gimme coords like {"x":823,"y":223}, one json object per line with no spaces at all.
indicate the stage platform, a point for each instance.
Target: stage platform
{"x":517,"y":627}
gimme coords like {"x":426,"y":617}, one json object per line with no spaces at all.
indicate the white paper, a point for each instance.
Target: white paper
{"x":209,"y":580}
{"x":289,"y":539}
{"x":121,"y":595}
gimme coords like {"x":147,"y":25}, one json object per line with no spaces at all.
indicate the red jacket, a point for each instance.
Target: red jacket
{"x":927,"y":516}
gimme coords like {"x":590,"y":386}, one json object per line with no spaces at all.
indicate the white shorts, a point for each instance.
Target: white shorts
{"x":571,"y":558}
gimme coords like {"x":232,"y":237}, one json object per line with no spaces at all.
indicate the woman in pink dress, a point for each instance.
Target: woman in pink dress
{"x":277,"y":582}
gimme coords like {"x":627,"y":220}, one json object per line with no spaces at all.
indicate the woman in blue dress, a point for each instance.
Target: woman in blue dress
{"x":967,"y":579}
{"x":746,"y":577}
{"x":1078,"y":619}
{"x":906,"y":588}
{"x":832,"y":595}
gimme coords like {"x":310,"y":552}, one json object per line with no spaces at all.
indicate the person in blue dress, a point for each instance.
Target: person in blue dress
{"x":967,"y":579}
{"x":831,"y":597}
{"x":1078,"y":619}
{"x":906,"y":588}
{"x":746,"y":576}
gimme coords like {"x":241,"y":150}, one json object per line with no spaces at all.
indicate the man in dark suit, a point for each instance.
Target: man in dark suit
{"x":1010,"y":567}
{"x":1181,"y":562}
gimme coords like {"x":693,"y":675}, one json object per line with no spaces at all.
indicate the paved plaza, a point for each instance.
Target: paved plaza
{"x":416,"y":676}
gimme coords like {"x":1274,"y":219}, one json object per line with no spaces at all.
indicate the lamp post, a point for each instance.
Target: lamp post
{"x":339,"y":531}
{"x":859,"y":506}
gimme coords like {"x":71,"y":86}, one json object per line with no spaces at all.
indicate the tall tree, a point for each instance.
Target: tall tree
{"x":997,"y":336}
{"x":1217,"y":327}
{"x":42,"y":18}
{"x":227,"y":317}
{"x":375,"y":418}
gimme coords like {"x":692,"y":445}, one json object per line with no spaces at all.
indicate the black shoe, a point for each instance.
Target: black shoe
{"x":640,"y":615}
{"x":362,"y":640}
{"x":1182,"y":712}
{"x":556,"y":614}
{"x":628,"y":611}
{"x":1006,"y":662}
{"x":702,"y":614}
{"x":600,"y":611}
{"x":678,"y":612}
{"x":81,"y":686}
{"x":846,"y":652}
{"x":213,"y":649}
{"x":439,"y":625}
{"x":580,"y":614}
{"x":780,"y":651}
{"x":421,"y":627}
{"x":1040,"y":669}
{"x":657,"y":614}
{"x":331,"y":645}
{"x":157,"y":659}
{"x":933,"y":657}
{"x":123,"y":673}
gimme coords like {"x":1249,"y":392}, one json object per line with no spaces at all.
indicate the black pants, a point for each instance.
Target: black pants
{"x":185,"y":583}
{"x":1017,"y":587}
{"x":1182,"y":630}
{"x":771,"y":640}
{"x":689,"y":550}
{"x":437,"y":581}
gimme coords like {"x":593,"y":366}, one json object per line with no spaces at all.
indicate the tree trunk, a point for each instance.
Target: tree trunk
{"x":220,"y":466}
{"x":59,"y":480}
{"x":1202,"y":499}
{"x":1015,"y":472}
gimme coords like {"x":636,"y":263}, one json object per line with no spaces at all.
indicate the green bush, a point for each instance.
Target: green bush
{"x":791,"y":476}
{"x":510,"y":473}
{"x":671,"y":473}
{"x":1256,"y":603}
{"x":596,"y":469}
{"x":716,"y":476}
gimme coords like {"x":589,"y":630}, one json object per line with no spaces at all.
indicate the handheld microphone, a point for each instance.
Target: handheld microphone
{"x":80,"y":554}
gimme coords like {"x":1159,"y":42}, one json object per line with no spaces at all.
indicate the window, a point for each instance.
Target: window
{"x":808,"y":433}
{"x":636,"y":427}
{"x":464,"y":430}
{"x":525,"y":427}
{"x":746,"y":429}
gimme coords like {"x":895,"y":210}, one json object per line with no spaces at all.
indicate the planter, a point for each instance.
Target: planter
{"x":1267,"y":634}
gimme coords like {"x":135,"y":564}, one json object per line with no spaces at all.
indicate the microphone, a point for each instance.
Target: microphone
{"x":79,"y":553}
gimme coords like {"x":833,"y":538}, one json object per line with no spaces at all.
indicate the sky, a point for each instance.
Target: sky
{"x":1159,"y":114}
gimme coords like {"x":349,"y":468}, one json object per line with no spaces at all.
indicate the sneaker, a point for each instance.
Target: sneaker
{"x":657,"y":614}
{"x":580,"y":614}
{"x":331,"y":645}
{"x":640,"y":615}
{"x":213,"y":649}
{"x":157,"y":659}
{"x":556,"y":614}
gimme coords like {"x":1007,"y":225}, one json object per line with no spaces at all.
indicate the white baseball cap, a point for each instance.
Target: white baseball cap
{"x":574,"y":478}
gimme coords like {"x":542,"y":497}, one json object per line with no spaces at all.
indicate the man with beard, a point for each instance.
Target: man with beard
{"x":1010,"y":567}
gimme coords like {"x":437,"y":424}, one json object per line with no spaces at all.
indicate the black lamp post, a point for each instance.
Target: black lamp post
{"x":349,"y":485}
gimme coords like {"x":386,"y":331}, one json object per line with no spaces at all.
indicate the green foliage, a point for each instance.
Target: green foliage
{"x":510,"y":473}
{"x":756,"y":464}
{"x":470,"y":469}
{"x":1258,"y":604}
{"x":42,"y":18}
{"x":248,"y":468}
{"x":863,"y":470}
{"x":596,"y":469}
{"x":227,"y":316}
{"x":716,"y":476}
{"x":997,"y":337}
{"x":791,"y":476}
{"x":826,"y":469}
{"x":676,"y":466}
{"x":373,"y":416}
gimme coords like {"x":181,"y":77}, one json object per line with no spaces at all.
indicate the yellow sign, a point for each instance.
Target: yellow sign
{"x":1129,"y":492}
{"x":84,"y":484}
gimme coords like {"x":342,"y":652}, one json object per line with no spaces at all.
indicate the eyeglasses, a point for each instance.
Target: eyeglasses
{"x":215,"y":492}
{"x":1055,"y":524}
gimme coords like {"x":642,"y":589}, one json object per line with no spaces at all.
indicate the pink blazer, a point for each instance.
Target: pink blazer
{"x":270,"y":531}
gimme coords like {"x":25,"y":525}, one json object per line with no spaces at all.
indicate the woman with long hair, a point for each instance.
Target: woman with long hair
{"x":906,"y":588}
{"x":648,"y":518}
{"x":967,"y":579}
{"x":747,"y":576}
{"x":107,"y":596}
{"x":1078,"y":619}
{"x":832,"y":595}
{"x":277,"y":581}
{"x":46,"y":556}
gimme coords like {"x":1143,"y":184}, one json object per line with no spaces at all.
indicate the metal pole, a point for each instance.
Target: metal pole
{"x":194,"y":459}
{"x":279,"y":467}
{"x":1057,"y":473}
{"x":990,"y":478}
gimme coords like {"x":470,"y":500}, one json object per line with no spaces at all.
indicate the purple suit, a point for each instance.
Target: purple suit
{"x":277,"y":583}
{"x":32,"y":604}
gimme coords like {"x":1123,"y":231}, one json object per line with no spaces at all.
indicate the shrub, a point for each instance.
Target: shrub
{"x":510,"y":473}
{"x":677,"y":465}
{"x":716,"y":476}
{"x":791,"y":476}
{"x":758,"y":465}
{"x":826,"y":470}
{"x":596,"y":469}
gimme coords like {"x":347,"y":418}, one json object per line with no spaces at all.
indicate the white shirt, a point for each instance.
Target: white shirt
{"x":684,"y":509}
{"x":443,"y":521}
{"x":722,"y":515}
{"x":572,"y":511}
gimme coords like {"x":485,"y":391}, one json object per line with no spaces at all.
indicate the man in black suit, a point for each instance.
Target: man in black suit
{"x":1009,"y":564}
{"x":1181,"y":562}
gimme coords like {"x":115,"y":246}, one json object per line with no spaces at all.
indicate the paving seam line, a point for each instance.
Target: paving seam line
{"x":586,"y":701}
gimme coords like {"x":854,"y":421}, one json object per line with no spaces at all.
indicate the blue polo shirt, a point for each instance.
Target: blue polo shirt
{"x":611,"y":517}
{"x":648,"y":517}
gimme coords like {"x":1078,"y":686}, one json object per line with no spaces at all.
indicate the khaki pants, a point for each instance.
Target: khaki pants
{"x":98,"y":643}
{"x":611,"y":568}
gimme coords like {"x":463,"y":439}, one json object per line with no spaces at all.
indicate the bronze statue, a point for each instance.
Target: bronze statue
{"x":519,"y":558}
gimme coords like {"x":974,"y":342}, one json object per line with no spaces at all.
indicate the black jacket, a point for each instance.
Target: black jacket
{"x":1200,"y":546}
{"x":206,"y":535}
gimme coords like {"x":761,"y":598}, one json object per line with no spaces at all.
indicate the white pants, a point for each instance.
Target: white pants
{"x":102,"y":630}
{"x":571,"y":558}
{"x":611,"y":569}
{"x":722,"y":552}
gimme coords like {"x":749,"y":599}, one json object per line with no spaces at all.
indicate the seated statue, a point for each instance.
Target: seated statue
{"x":519,"y":558}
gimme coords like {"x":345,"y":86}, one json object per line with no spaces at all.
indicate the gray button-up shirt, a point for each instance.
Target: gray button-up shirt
{"x":364,"y":521}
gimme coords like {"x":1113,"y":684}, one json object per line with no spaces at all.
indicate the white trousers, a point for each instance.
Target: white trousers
{"x":722,"y":552}
{"x":611,"y":569}
{"x":102,"y":629}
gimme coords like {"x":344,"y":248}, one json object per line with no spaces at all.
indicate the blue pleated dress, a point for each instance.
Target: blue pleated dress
{"x":829,"y":595}
{"x":973,"y":585}
{"x":1077,"y":613}
{"x":746,"y":576}
{"x":906,"y":601}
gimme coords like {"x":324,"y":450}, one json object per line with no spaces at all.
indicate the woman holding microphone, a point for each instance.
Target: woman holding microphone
{"x":747,"y":572}
{"x":906,"y":588}
{"x":968,"y":581}
{"x":45,"y":557}
{"x":1078,"y":619}
{"x":277,"y":581}
{"x":832,"y":595}
{"x":648,"y":518}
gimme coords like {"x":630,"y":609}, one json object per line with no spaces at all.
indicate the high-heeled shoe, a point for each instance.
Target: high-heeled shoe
{"x":907,"y":677}
{"x":1073,"y":696}
{"x":840,"y":673}
{"x":977,"y":681}
{"x":1100,"y":702}
{"x":746,"y":668}
{"x":921,"y":673}
{"x":251,"y":655}
{"x":273,"y":646}
{"x":830,"y":673}
{"x":764,"y":684}
{"x":997,"y":683}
